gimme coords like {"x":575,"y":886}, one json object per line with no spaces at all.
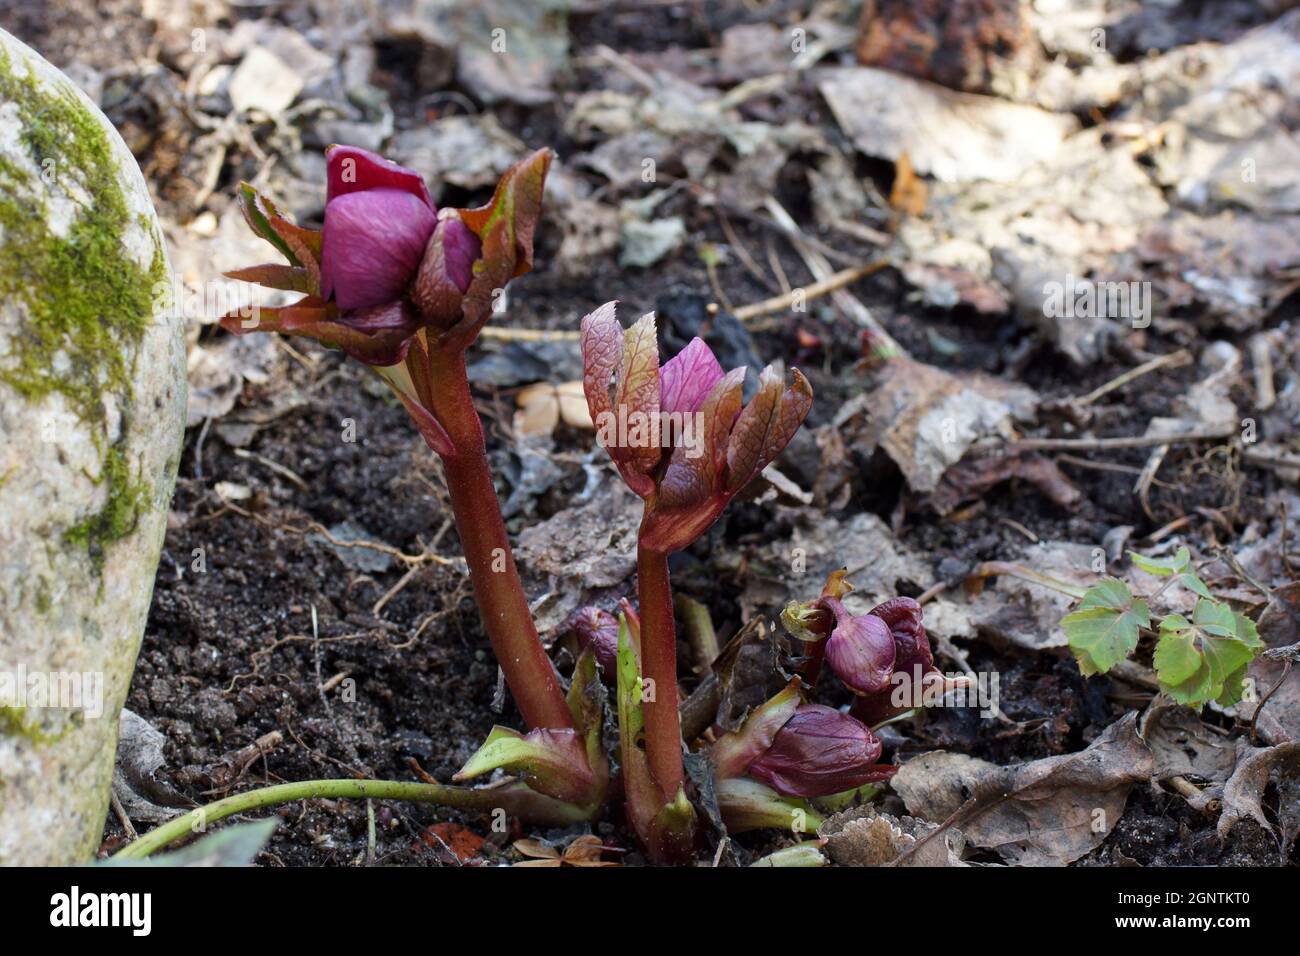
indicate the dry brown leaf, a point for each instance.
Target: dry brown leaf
{"x":1243,"y":794}
{"x":544,"y":405}
{"x":909,"y":194}
{"x":1047,"y":812}
{"x":865,"y":836}
{"x":1182,"y":745}
{"x":582,"y":851}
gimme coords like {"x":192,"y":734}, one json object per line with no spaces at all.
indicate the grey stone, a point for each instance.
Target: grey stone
{"x":92,"y":412}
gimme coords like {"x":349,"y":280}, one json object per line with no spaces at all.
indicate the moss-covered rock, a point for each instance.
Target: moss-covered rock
{"x":92,"y":410}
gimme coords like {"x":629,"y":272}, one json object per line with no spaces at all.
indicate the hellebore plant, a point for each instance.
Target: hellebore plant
{"x":791,"y":757}
{"x":681,"y":440}
{"x":405,"y":288}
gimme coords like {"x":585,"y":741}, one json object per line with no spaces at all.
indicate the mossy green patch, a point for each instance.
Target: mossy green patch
{"x":14,"y":722}
{"x":117,"y":518}
{"x":88,"y":303}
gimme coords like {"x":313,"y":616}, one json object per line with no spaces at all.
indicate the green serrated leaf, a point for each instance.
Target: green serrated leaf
{"x":1247,"y":633}
{"x":1176,"y":657}
{"x":1234,"y":688}
{"x":1190,"y":581}
{"x":1205,"y":659}
{"x":1104,"y":631}
{"x":1215,"y":618}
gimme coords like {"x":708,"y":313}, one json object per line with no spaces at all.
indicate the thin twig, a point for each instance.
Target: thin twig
{"x":821,"y":270}
{"x":275,"y":466}
{"x":1172,"y":360}
{"x":836,"y":280}
{"x":529,"y":335}
{"x":1227,"y":430}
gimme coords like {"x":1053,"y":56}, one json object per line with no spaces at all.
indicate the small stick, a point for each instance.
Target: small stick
{"x":1261,"y":357}
{"x":742,"y":253}
{"x":1173,"y":360}
{"x":699,"y":630}
{"x":774,"y":261}
{"x":821,"y":269}
{"x":1142,"y":487}
{"x":529,"y":335}
{"x":931,"y":593}
{"x":122,"y":818}
{"x":1017,"y":526}
{"x":1169,"y":529}
{"x":836,"y":280}
{"x":275,"y":466}
{"x":1226,"y":430}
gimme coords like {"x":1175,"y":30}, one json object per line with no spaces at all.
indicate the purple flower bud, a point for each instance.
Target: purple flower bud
{"x":598,"y":630}
{"x":688,"y":481}
{"x":372,"y":244}
{"x":903,"y":616}
{"x":351,"y":169}
{"x":860,"y":650}
{"x":913,"y":660}
{"x":446,"y":271}
{"x":820,"y":751}
{"x":686,"y":379}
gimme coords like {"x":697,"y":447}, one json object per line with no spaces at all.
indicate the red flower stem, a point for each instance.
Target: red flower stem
{"x":811,"y":670}
{"x":663,"y":729}
{"x":497,"y":588}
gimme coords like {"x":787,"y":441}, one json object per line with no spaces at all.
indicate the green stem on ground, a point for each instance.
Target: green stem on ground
{"x":497,"y":588}
{"x":515,"y":800}
{"x":663,"y":731}
{"x":700,"y":632}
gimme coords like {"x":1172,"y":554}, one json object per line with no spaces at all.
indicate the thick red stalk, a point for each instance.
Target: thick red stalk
{"x":497,"y":588}
{"x":663,"y":729}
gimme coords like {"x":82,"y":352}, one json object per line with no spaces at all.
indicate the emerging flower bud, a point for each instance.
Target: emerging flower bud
{"x":860,"y":650}
{"x":820,"y":751}
{"x":880,"y":655}
{"x":446,"y":271}
{"x":378,"y":218}
{"x":598,"y":630}
{"x":386,"y":264}
{"x":912,"y":657}
{"x":372,"y":244}
{"x":678,"y":434}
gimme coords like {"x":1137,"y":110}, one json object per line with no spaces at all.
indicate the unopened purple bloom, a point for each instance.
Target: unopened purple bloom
{"x":446,"y":271}
{"x":372,"y":244}
{"x":686,"y":379}
{"x":860,"y":650}
{"x":913,"y":659}
{"x":820,"y":751}
{"x":903,"y":617}
{"x":598,"y":630}
{"x":712,"y":456}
